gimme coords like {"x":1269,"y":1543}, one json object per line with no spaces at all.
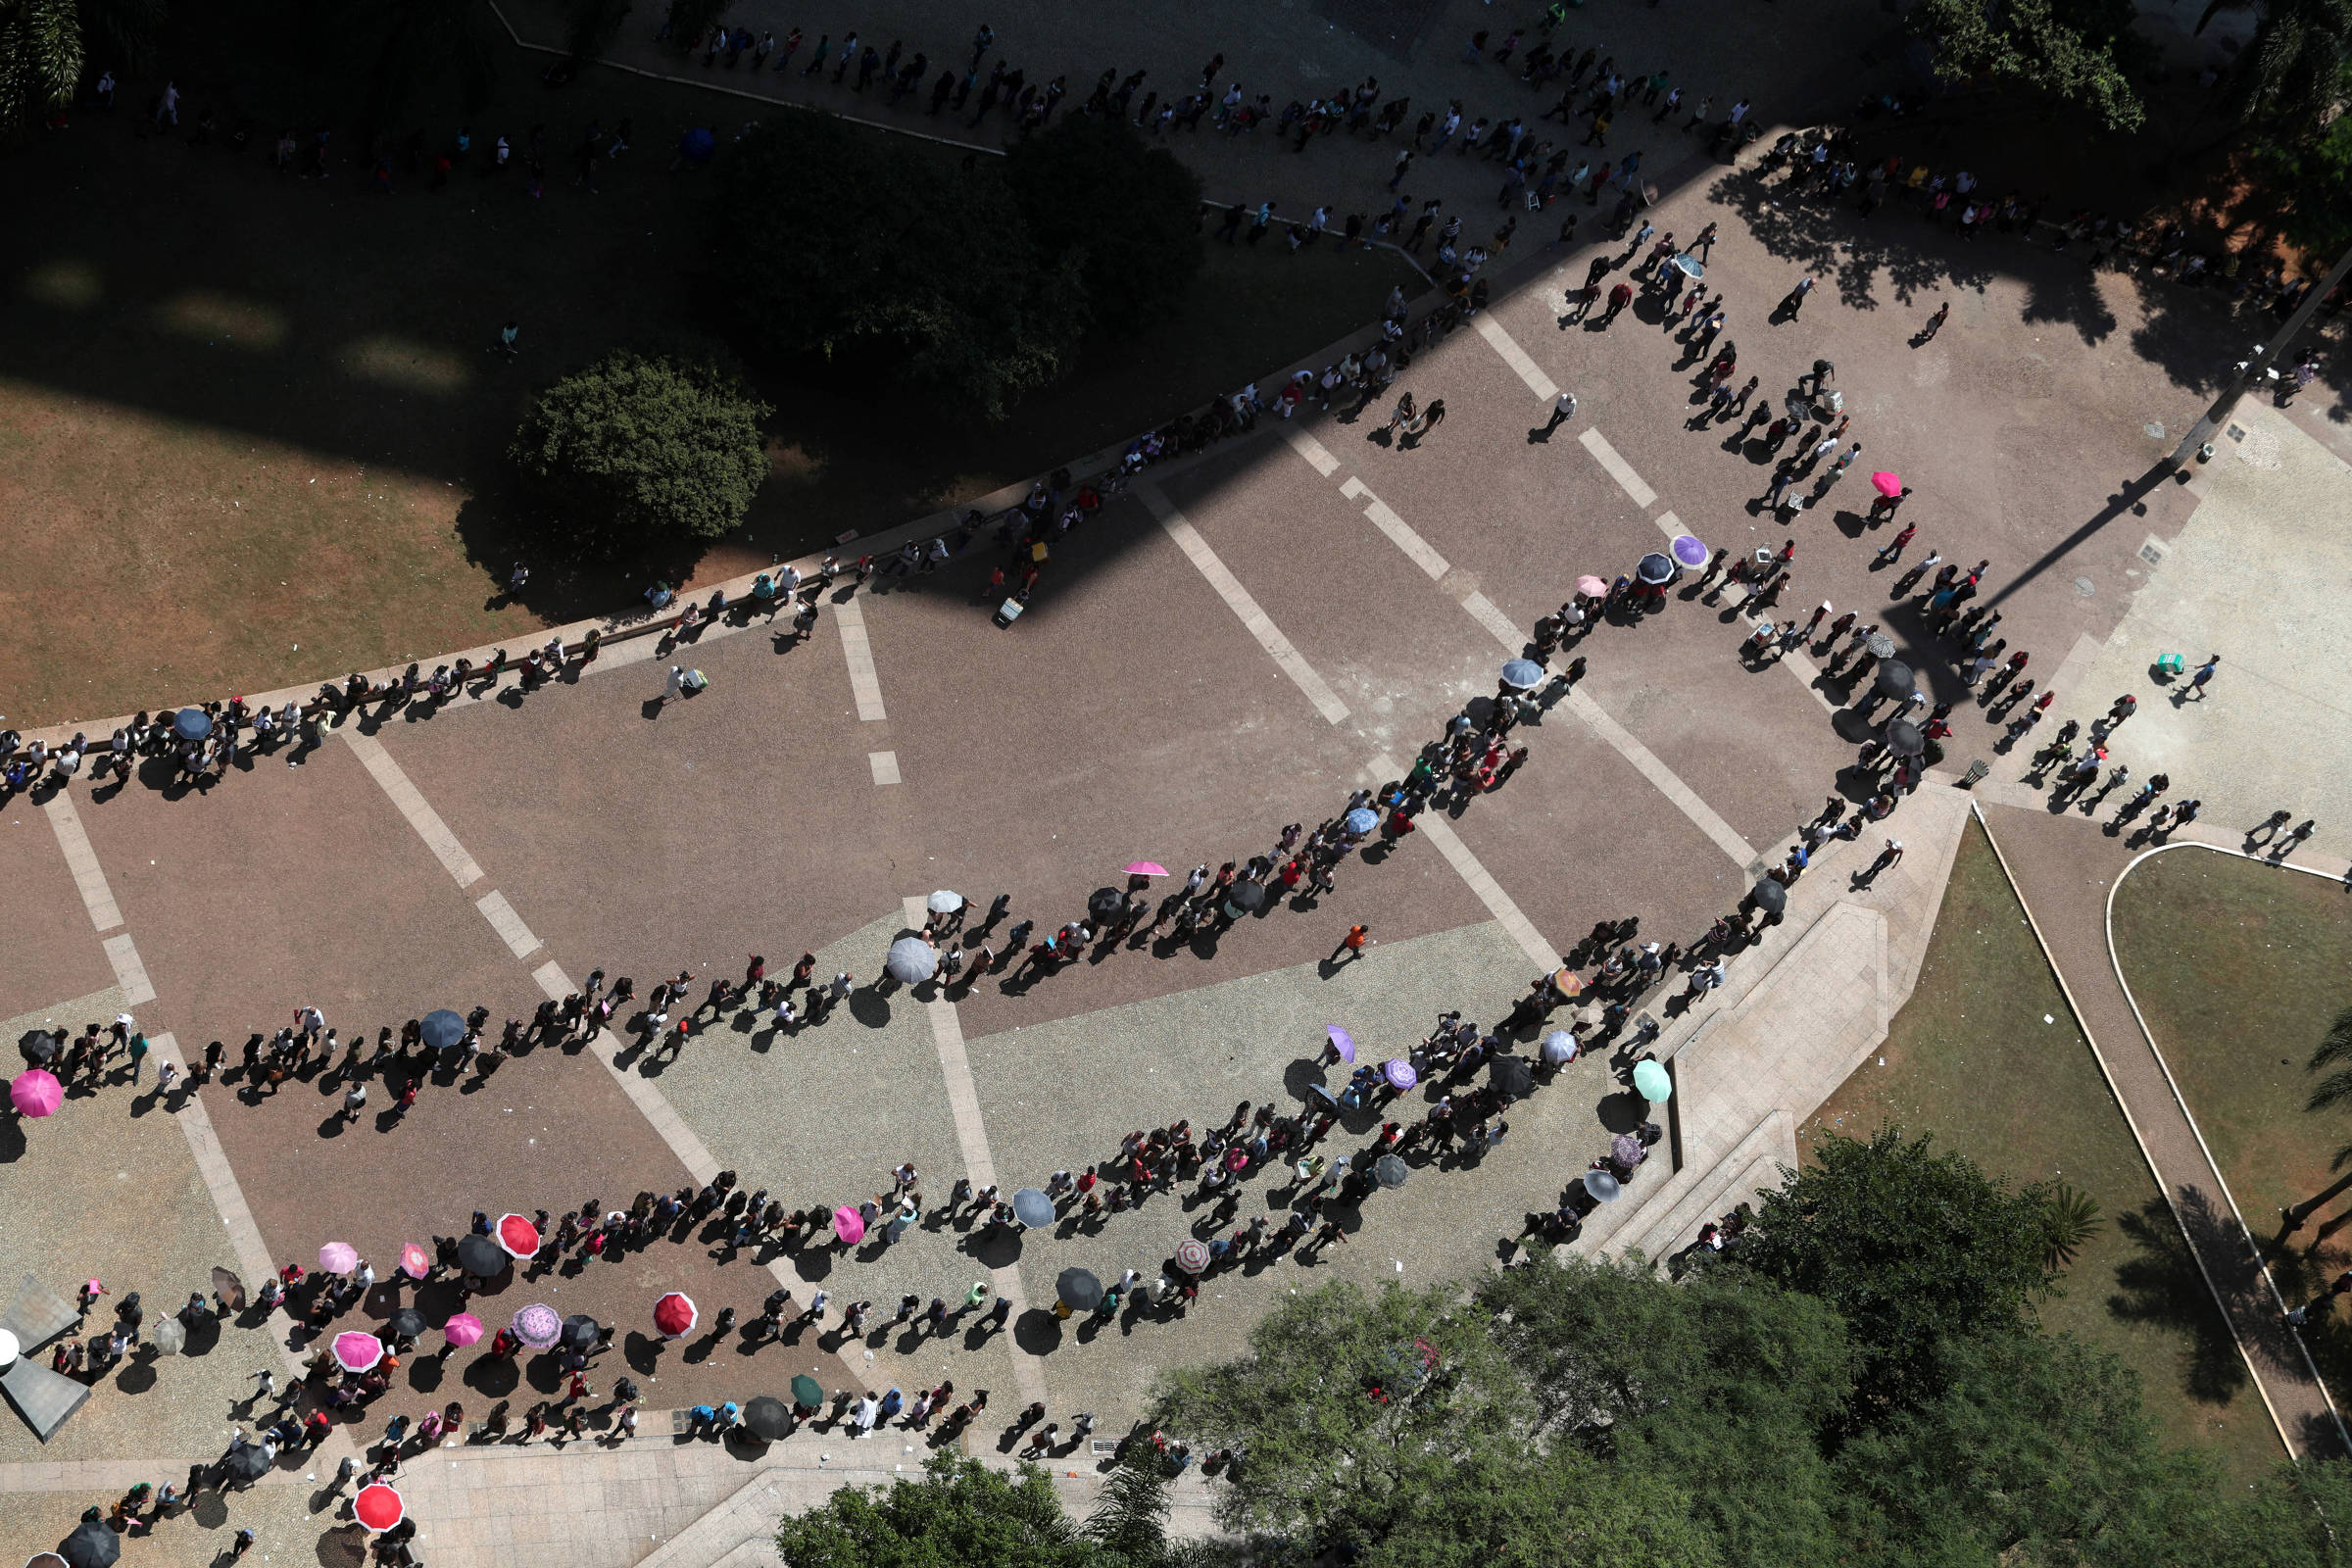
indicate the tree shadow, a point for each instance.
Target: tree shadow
{"x":2161,"y":1283}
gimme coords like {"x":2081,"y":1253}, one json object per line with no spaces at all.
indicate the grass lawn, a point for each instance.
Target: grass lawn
{"x":2238,"y":969}
{"x":254,"y":436}
{"x":1987,"y":1057}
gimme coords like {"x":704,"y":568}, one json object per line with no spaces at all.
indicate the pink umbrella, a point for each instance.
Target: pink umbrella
{"x":412,"y":1261}
{"x":355,"y":1351}
{"x":1399,"y":1072}
{"x":1146,"y":868}
{"x":1887,"y":484}
{"x":338,"y":1257}
{"x":674,"y":1314}
{"x":515,"y":1236}
{"x":463,"y":1329}
{"x":37,"y":1092}
{"x":849,"y":1224}
{"x":1591,"y":587}
{"x":538,"y":1326}
{"x":1341,"y":1042}
{"x":378,"y":1507}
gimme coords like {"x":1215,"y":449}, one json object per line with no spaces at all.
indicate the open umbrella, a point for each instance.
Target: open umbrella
{"x":1603,"y":1186}
{"x":230,"y":1288}
{"x":1389,"y":1171}
{"x":1904,"y":738}
{"x":912,"y":960}
{"x":674,"y":1314}
{"x":1078,"y":1290}
{"x":515,"y":1236}
{"x":945,"y":901}
{"x":1590,"y":587}
{"x":191,"y":724}
{"x":1887,"y":484}
{"x":1105,"y":904}
{"x":1362,"y":819}
{"x":248,"y":1463}
{"x":580,"y":1333}
{"x":7,"y":1347}
{"x":1688,"y":265}
{"x":461,"y":1330}
{"x":1654,"y":568}
{"x":415,"y":1261}
{"x":766,"y":1418}
{"x":1192,"y":1255}
{"x":378,"y":1507}
{"x":1522,"y":675}
{"x":442,"y":1029}
{"x":1558,"y":1048}
{"x":1566,"y":983}
{"x":408,"y":1323}
{"x":1651,"y":1082}
{"x":538,"y":1325}
{"x":1895,"y":679}
{"x":808,"y":1393}
{"x":1033,"y":1208}
{"x":1690,"y":550}
{"x":1245,"y":898}
{"x":1627,"y":1151}
{"x":169,"y":1336}
{"x":1146,"y":868}
{"x":356,"y":1352}
{"x":480,"y":1255}
{"x":1880,"y":645}
{"x":38,"y":1046}
{"x":1342,"y":1042}
{"x":92,"y":1545}
{"x":1771,"y":896}
{"x":849,"y":1224}
{"x":1400,"y":1073}
{"x":1511,"y":1075}
{"x":338,"y":1257}
{"x":35,"y":1092}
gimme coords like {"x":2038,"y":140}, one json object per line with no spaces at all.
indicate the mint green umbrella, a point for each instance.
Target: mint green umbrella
{"x":1651,"y":1081}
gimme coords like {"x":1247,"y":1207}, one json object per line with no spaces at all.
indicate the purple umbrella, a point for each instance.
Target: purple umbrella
{"x":538,"y":1326}
{"x":1627,"y":1151}
{"x":1341,"y":1042}
{"x":1400,"y":1073}
{"x":1689,"y":551}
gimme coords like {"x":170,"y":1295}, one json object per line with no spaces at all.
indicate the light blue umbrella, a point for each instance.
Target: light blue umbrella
{"x":1363,"y":820}
{"x":1521,"y":673}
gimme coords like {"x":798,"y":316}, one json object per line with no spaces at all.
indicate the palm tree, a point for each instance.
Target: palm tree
{"x":2292,"y":76}
{"x":2071,"y":1217}
{"x":2334,"y":1052}
{"x":45,"y":45}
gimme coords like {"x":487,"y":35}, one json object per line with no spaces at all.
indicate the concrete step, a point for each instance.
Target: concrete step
{"x":1723,"y":1186}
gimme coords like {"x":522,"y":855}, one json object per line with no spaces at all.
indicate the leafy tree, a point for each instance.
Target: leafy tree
{"x":45,"y":45}
{"x":831,"y":241}
{"x":1131,"y":1521}
{"x":1913,"y":1249}
{"x":1535,"y":1510}
{"x":632,"y":449}
{"x":2073,"y":51}
{"x":1125,"y":212}
{"x":959,"y":1513}
{"x":1354,"y":1410}
{"x":2291,"y":76}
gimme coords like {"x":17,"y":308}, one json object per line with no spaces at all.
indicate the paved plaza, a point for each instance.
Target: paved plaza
{"x":1237,"y":643}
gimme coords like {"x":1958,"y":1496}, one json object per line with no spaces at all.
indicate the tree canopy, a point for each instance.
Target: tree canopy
{"x":1127,"y":214}
{"x":2073,"y":51}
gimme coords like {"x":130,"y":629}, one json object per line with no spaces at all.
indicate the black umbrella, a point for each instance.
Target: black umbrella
{"x":1247,"y":897}
{"x":580,"y":1332}
{"x":1895,"y":679}
{"x":766,"y":1418}
{"x":38,"y":1045}
{"x":1106,"y":904}
{"x":408,"y":1323}
{"x":1389,"y":1171}
{"x":1654,"y":568}
{"x":479,"y":1255}
{"x":443,"y":1029}
{"x":1771,"y":896}
{"x":1079,"y":1290}
{"x":248,"y":1463}
{"x":1904,"y":738}
{"x":92,"y":1545}
{"x":1511,"y":1075}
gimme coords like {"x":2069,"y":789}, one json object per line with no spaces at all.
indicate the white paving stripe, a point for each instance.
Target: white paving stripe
{"x":885,"y":766}
{"x":1439,"y":832}
{"x":1229,"y":588}
{"x":129,"y":973}
{"x":83,"y":861}
{"x":1482,"y":609}
{"x":1400,"y":533}
{"x":1617,"y":467}
{"x":414,"y":806}
{"x":658,"y":1112}
{"x":1312,"y":450}
{"x":507,"y":923}
{"x":1516,"y":357}
{"x":850,"y":618}
{"x":1621,"y":741}
{"x":1668,"y":524}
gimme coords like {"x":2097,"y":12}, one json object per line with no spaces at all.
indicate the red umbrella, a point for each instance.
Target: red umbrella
{"x":378,"y":1507}
{"x":1887,"y":484}
{"x":515,"y":1236}
{"x":413,"y":1262}
{"x":674,"y":1314}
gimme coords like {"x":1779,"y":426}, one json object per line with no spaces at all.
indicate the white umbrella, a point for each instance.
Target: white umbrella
{"x":912,"y":960}
{"x":944,"y":902}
